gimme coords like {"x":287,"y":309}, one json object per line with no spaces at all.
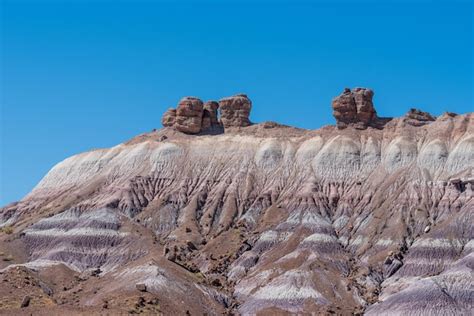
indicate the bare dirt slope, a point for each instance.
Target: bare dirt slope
{"x":374,"y":216}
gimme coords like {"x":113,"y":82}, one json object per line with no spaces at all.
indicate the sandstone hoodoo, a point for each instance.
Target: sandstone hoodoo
{"x":194,"y":117}
{"x":235,"y":111}
{"x":373,"y":216}
{"x":189,"y":115}
{"x":355,"y":108}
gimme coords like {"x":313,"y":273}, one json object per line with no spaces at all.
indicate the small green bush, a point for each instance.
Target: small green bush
{"x":7,"y":230}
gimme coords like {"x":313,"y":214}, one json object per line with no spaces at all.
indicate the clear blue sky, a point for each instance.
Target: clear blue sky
{"x":77,"y":75}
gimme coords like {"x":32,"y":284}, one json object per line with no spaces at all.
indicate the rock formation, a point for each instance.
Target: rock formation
{"x":235,"y":111}
{"x":210,"y":118}
{"x":416,"y":117}
{"x":194,"y":117}
{"x":266,"y":219}
{"x":169,"y":118}
{"x":189,"y":115}
{"x":355,"y":108}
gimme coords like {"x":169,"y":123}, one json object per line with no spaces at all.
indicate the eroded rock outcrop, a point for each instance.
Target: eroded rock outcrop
{"x":169,"y":118}
{"x":189,"y":115}
{"x":416,"y":117}
{"x":355,"y":108}
{"x":235,"y":111}
{"x":210,"y":118}
{"x":193,"y":117}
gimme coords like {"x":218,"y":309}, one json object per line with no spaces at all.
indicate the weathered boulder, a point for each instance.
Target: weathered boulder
{"x":169,"y":118}
{"x":141,"y":287}
{"x":235,"y":111}
{"x":416,"y":117}
{"x":355,"y":108}
{"x":189,"y":115}
{"x":365,"y":108}
{"x":26,"y":301}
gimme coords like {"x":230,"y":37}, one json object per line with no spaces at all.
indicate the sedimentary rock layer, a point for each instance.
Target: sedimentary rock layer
{"x":263,"y":219}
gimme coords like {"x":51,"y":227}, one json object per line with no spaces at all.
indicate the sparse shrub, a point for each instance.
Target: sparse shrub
{"x":199,"y":275}
{"x":7,"y":230}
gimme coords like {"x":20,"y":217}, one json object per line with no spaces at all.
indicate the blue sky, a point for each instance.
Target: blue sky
{"x":78,"y":75}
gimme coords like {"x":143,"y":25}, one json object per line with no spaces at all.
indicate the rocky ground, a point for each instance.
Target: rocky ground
{"x":215,"y":215}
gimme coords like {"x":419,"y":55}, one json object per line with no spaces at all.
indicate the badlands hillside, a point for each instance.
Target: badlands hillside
{"x":215,"y":215}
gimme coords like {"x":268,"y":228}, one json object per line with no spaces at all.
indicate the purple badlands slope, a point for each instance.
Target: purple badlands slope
{"x":214,"y":215}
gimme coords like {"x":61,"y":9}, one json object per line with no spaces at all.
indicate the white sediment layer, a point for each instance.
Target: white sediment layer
{"x":320,"y":238}
{"x":437,"y":243}
{"x":82,"y":231}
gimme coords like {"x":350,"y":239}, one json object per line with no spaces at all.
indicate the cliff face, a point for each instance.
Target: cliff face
{"x":259,"y":219}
